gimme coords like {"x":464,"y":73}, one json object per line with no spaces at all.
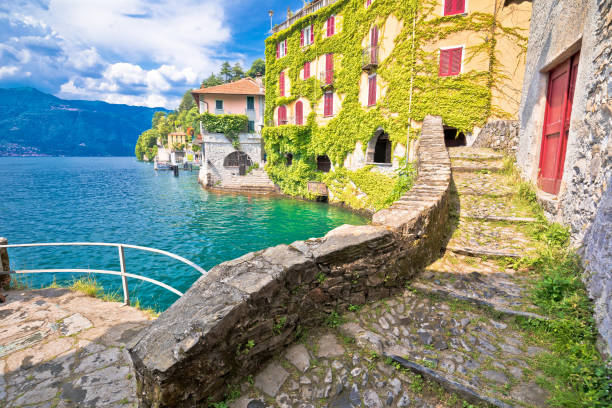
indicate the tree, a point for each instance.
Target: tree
{"x":258,"y":67}
{"x":237,"y":72}
{"x":226,"y":71}
{"x":157,"y":117}
{"x":187,"y":102}
{"x":212,"y":80}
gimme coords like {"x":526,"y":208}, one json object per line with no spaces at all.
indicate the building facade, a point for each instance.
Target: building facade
{"x":223,"y":159}
{"x":565,"y":145}
{"x":358,"y":77}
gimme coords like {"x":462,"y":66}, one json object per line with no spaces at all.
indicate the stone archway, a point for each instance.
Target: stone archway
{"x":379,"y":148}
{"x":237,"y":159}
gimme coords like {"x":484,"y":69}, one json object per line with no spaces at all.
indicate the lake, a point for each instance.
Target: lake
{"x":118,"y":199}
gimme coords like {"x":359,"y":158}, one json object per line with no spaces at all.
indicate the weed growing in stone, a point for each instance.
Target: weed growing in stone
{"x":334,"y":320}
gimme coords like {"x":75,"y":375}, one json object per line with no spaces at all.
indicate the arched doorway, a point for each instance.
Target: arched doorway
{"x":323,"y":164}
{"x":453,"y":138}
{"x":379,"y":148}
{"x":237,"y":159}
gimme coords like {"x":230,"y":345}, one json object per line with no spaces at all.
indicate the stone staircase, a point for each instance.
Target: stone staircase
{"x":256,"y":182}
{"x":451,"y":337}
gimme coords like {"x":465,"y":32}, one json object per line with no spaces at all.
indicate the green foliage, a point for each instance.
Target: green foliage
{"x":147,"y":145}
{"x":212,"y":80}
{"x":187,"y":102}
{"x":230,"y":125}
{"x":279,"y":325}
{"x":334,"y":320}
{"x":258,"y":67}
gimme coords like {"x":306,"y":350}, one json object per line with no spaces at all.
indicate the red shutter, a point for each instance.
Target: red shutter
{"x":331,"y":22}
{"x":302,"y":38}
{"x":333,"y":25}
{"x":299,"y":113}
{"x":277,"y":50}
{"x":286,"y":49}
{"x":312,"y":34}
{"x":455,"y":66}
{"x":452,"y":7}
{"x":368,"y":3}
{"x":281,"y":83}
{"x":444,"y":62}
{"x":328,"y":104}
{"x":459,"y":6}
{"x":306,"y":70}
{"x":282,"y":115}
{"x":374,"y":36}
{"x":329,"y":68}
{"x":448,"y":7}
{"x":372,"y":90}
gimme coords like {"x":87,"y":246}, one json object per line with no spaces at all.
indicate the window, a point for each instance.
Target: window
{"x":219,"y":105}
{"x":289,"y":159}
{"x":250,"y":103}
{"x":328,"y":104}
{"x":329,"y":68}
{"x":281,"y":83}
{"x":374,"y":45}
{"x":368,"y":3}
{"x":452,"y":7}
{"x":299,"y":113}
{"x":281,"y":48}
{"x":251,"y":126}
{"x":323,"y":164}
{"x":331,"y":26}
{"x":307,"y":36}
{"x":282,"y":115}
{"x":306,"y":70}
{"x":372,"y":90}
{"x":450,"y":61}
{"x":382,"y":149}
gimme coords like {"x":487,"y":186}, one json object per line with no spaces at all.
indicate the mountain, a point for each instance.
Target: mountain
{"x":35,"y":123}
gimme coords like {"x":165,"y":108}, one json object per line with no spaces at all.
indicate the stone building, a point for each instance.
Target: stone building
{"x":222,"y":161}
{"x":360,"y":73}
{"x":565,"y":144}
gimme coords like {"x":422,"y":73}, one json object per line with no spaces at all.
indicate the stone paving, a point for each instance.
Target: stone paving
{"x":60,"y":348}
{"x":450,"y":337}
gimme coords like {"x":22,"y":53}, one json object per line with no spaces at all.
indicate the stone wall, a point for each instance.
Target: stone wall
{"x":243,"y":312}
{"x":499,"y":135}
{"x":559,"y":29}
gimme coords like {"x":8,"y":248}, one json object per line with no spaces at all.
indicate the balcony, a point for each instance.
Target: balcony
{"x":304,"y":11}
{"x":369,"y":58}
{"x":327,"y":79}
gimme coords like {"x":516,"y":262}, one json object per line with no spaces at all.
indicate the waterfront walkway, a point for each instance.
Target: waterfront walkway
{"x":60,"y":348}
{"x":451,"y":336}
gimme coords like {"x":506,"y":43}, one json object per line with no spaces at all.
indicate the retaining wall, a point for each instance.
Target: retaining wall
{"x":500,"y":135}
{"x":243,"y":312}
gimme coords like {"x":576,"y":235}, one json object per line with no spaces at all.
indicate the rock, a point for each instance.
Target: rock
{"x":356,"y":371}
{"x":328,"y":346}
{"x":298,"y":356}
{"x":354,"y":396}
{"x":371,"y":400}
{"x":256,"y":404}
{"x":305,"y":380}
{"x":495,"y":376}
{"x":74,"y":324}
{"x":383,"y":323}
{"x":337,"y":365}
{"x":506,"y":348}
{"x":426,"y":337}
{"x":328,"y":376}
{"x":404,"y":401}
{"x":271,"y":379}
{"x":499,"y":325}
{"x":531,"y":394}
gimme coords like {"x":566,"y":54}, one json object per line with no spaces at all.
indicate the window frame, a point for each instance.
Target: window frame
{"x":304,"y":72}
{"x":250,"y":99}
{"x":301,"y":115}
{"x":443,"y":12}
{"x":251,"y":126}
{"x":333,"y":26}
{"x":328,"y":96}
{"x":447,"y":49}
{"x":217,"y":104}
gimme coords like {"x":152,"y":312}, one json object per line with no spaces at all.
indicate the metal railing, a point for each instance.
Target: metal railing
{"x":304,"y":11}
{"x":327,"y":78}
{"x":369,"y":57}
{"x":124,"y":275}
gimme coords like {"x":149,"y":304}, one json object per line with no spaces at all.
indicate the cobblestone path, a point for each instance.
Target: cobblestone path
{"x":450,"y":337}
{"x":59,"y":348}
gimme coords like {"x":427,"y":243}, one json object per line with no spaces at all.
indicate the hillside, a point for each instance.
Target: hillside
{"x":36,"y":123}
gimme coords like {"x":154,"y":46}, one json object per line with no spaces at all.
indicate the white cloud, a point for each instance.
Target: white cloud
{"x":7,"y":71}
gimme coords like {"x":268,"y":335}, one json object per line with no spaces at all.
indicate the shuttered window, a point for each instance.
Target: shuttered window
{"x":450,"y":61}
{"x":281,"y":84}
{"x":282,"y":115}
{"x":329,"y":68}
{"x":331,"y":26}
{"x":307,"y":36}
{"x":281,"y":49}
{"x":372,"y":90}
{"x":299,"y":113}
{"x":452,"y":7}
{"x":328,"y":104}
{"x":307,"y":70}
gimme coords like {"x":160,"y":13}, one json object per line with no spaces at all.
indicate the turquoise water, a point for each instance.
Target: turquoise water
{"x":117,"y":199}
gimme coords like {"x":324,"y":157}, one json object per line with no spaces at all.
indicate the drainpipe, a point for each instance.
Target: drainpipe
{"x":411,"y":83}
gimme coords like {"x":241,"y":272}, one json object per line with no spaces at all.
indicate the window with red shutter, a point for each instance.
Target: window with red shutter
{"x":281,"y":83}
{"x":452,"y":7}
{"x":282,"y":115}
{"x":329,"y":68}
{"x":277,"y":50}
{"x":302,"y":38}
{"x":312,"y":34}
{"x":286,"y":49}
{"x":328,"y":104}
{"x":299,"y":113}
{"x":372,"y":90}
{"x":306,"y":70}
{"x":368,"y":3}
{"x":331,"y":25}
{"x":450,"y":61}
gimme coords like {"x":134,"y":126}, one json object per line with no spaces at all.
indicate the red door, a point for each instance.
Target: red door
{"x":561,"y":84}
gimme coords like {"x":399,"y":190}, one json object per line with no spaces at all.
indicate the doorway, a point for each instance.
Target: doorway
{"x":453,"y":138}
{"x":559,"y":96}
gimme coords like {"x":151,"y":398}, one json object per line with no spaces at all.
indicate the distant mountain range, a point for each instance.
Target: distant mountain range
{"x":33,"y":123}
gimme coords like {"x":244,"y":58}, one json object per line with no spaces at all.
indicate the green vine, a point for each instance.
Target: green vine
{"x":229,"y":124}
{"x":464,"y":101}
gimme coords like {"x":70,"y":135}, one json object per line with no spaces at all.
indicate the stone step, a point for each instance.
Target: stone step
{"x":480,"y":184}
{"x":482,"y":252}
{"x":474,"y":153}
{"x":487,"y":217}
{"x":467,"y":351}
{"x":472,"y":166}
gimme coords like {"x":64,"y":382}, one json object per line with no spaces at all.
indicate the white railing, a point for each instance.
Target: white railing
{"x":124,"y":275}
{"x":311,"y":8}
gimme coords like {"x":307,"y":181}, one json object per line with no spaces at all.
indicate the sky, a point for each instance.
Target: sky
{"x":135,"y":52}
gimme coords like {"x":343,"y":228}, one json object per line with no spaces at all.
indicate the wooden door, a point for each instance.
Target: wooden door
{"x":561,"y":84}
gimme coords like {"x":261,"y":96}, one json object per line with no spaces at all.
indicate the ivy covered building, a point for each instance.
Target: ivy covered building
{"x":349,"y":81}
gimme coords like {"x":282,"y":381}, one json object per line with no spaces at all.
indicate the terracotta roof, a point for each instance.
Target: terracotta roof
{"x":244,"y":86}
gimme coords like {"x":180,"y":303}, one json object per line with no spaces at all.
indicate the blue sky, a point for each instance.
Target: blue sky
{"x":138,"y":52}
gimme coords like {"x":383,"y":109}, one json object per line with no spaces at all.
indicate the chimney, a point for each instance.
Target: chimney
{"x":259,"y":81}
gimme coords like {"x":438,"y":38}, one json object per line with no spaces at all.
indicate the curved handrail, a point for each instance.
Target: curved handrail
{"x":124,"y":275}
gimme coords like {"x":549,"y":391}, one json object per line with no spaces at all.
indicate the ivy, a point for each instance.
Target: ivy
{"x":229,"y":124}
{"x":464,"y":101}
